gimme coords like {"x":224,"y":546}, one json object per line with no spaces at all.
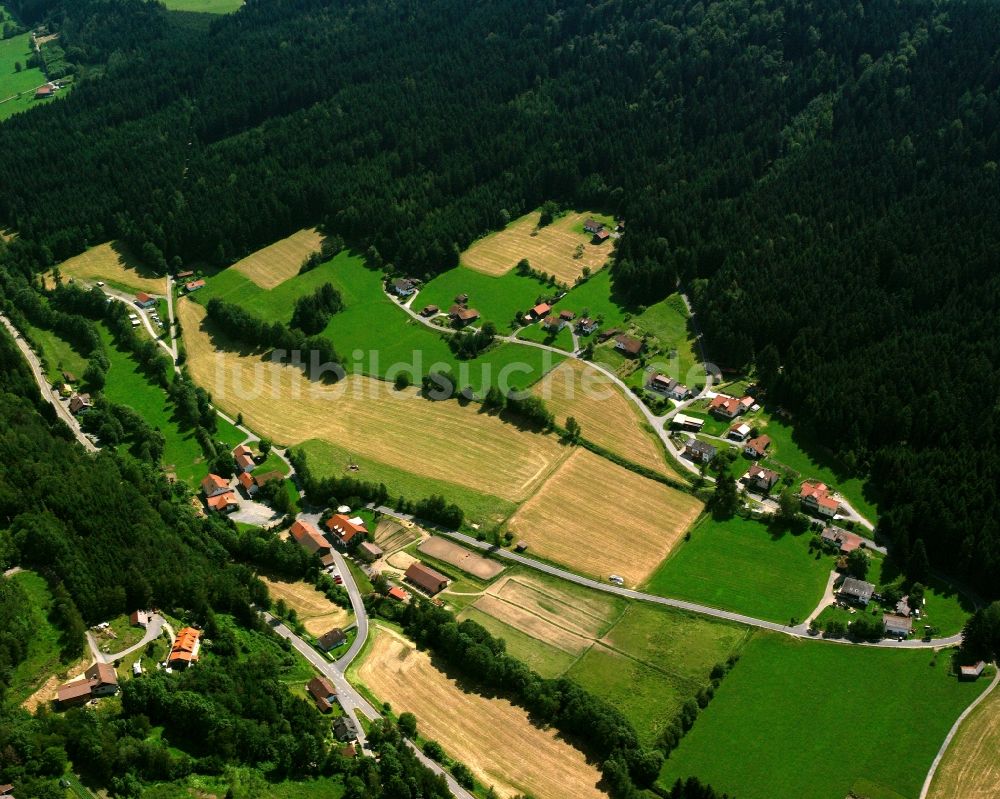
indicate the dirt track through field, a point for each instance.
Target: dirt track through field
{"x":317,"y":613}
{"x":440,"y":440}
{"x":551,"y":250}
{"x":607,"y":418}
{"x":603,"y":519}
{"x":491,"y":736}
{"x":278,"y":262}
{"x":971,"y":765}
{"x":450,"y":552}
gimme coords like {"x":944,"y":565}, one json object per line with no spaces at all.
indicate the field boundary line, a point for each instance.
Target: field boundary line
{"x":925,"y":789}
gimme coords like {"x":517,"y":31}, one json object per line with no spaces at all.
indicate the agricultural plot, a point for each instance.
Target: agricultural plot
{"x":398,"y":428}
{"x":204,"y":6}
{"x":590,"y":502}
{"x":802,"y":718}
{"x":281,"y":261}
{"x":551,"y":249}
{"x":970,"y":768}
{"x":392,"y":536}
{"x":747,"y":567}
{"x":497,"y":298}
{"x":494,"y":738}
{"x":117,"y":266}
{"x":448,"y":551}
{"x":644,"y":659}
{"x":317,"y":613}
{"x":606,"y":417}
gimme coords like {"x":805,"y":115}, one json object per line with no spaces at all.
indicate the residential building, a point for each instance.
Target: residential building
{"x":73,"y":694}
{"x":260,"y":480}
{"x":345,"y":530}
{"x":817,"y":499}
{"x":586,"y":325}
{"x":226,"y":502}
{"x":430,"y":310}
{"x":426,"y":578}
{"x":247,"y":483}
{"x":138,"y":618}
{"x":331,"y":639}
{"x":462,"y":316}
{"x":757,"y":447}
{"x":661,"y":384}
{"x":244,"y":458}
{"x":404,"y":287}
{"x":185,"y":650}
{"x":897,"y":626}
{"x":628,"y":345}
{"x":601,"y":236}
{"x":729,"y":407}
{"x":144,"y":300}
{"x":214,"y":485}
{"x":103,"y":679}
{"x":761,"y":480}
{"x":857,"y":591}
{"x":685,"y":422}
{"x":194,"y":285}
{"x":323,"y":692}
{"x":844,"y":541}
{"x":44,"y":92}
{"x":345,"y":728}
{"x":593,"y":226}
{"x":971,"y":672}
{"x":553,"y":323}
{"x":699,"y":451}
{"x":739,"y":432}
{"x":368,"y":551}
{"x":567,"y":316}
{"x":184,"y":275}
{"x":80,"y":403}
{"x":398,"y":594}
{"x":312,"y":540}
{"x":462,"y":299}
{"x":540,"y":311}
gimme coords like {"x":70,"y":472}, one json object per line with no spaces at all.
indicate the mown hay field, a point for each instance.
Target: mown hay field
{"x":493,"y":737}
{"x":113,"y":263}
{"x":604,"y":519}
{"x":317,"y":613}
{"x":606,"y":417}
{"x":550,"y":250}
{"x":970,"y":768}
{"x":464,"y":559}
{"x":278,"y":262}
{"x":440,"y":440}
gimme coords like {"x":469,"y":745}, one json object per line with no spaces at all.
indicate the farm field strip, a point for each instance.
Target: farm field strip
{"x":113,"y":263}
{"x":454,"y":443}
{"x":646,"y":521}
{"x":317,"y":613}
{"x":494,"y":738}
{"x":273,"y":265}
{"x":448,"y":551}
{"x":551,"y":250}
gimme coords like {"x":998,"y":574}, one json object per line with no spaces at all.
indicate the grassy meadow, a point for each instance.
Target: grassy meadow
{"x":204,"y":6}
{"x":57,"y":354}
{"x":810,"y":719}
{"x":44,"y":649}
{"x":498,"y":299}
{"x":745,"y":566}
{"x":13,"y":51}
{"x":561,"y":339}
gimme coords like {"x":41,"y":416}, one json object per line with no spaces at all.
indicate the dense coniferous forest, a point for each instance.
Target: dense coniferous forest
{"x":821,"y":176}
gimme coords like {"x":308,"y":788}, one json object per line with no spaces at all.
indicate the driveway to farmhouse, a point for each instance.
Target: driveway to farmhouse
{"x":153,"y":630}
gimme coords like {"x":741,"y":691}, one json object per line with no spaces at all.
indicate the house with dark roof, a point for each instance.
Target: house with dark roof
{"x":761,"y":480}
{"x":103,"y":679}
{"x":628,"y":345}
{"x":757,"y":447}
{"x":857,"y":591}
{"x":80,"y":403}
{"x":403,"y":287}
{"x":567,"y":315}
{"x":661,"y":384}
{"x":593,"y":226}
{"x":586,"y":325}
{"x":345,"y":728}
{"x":699,"y":451}
{"x":331,"y":639}
{"x":260,"y":480}
{"x":323,"y":692}
{"x":601,"y":236}
{"x":429,"y":311}
{"x":553,"y":323}
{"x":426,"y":578}
{"x":461,"y":316}
{"x":897,"y":626}
{"x":368,"y":551}
{"x":73,"y":694}
{"x":345,"y":530}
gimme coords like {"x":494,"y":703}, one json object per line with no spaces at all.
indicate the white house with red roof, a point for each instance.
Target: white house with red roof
{"x":213,"y":485}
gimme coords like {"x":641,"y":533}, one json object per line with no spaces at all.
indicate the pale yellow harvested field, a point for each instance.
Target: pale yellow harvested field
{"x":970,"y":768}
{"x":317,"y":613}
{"x":603,"y":519}
{"x":491,"y":736}
{"x":456,"y":555}
{"x":114,"y":263}
{"x":551,"y":250}
{"x":539,"y":628}
{"x":607,"y":418}
{"x":439,"y":440}
{"x":280,"y":261}
{"x":585,"y":616}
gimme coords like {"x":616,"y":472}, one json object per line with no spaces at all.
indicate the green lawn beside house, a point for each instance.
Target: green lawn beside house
{"x":747,"y":567}
{"x":498,"y":299}
{"x":813,"y":719}
{"x":563,"y":338}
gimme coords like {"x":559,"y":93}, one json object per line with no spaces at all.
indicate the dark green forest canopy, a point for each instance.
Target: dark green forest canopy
{"x":822,"y":176}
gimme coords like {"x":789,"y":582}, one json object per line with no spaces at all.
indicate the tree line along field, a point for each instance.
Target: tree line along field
{"x":819,"y":719}
{"x":644,"y":659}
{"x":745,"y":566}
{"x":549,"y":250}
{"x":493,"y":737}
{"x":970,"y":768}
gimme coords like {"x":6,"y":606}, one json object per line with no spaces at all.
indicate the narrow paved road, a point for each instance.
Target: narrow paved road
{"x":143,"y":317}
{"x":929,"y":779}
{"x":43,"y":385}
{"x":153,"y":630}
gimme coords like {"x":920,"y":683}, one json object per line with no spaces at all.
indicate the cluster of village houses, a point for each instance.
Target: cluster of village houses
{"x":101,"y":679}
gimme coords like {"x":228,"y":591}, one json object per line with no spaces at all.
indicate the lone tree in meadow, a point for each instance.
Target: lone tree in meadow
{"x":572,"y":429}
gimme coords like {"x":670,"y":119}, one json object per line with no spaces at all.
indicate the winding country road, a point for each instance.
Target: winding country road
{"x":43,"y":385}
